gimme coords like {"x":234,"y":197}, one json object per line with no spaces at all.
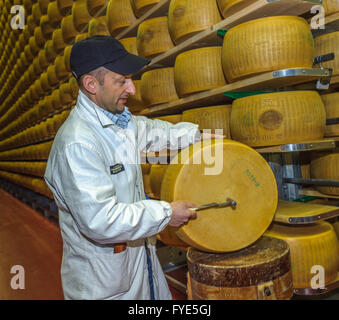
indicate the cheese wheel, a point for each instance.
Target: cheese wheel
{"x":97,"y":26}
{"x":168,"y":236}
{"x":49,"y":51}
{"x":134,"y":102}
{"x":43,"y":4}
{"x":67,"y":56}
{"x":45,"y":83}
{"x":157,"y":86}
{"x":28,"y":53}
{"x":46,"y":27}
{"x":39,"y":37}
{"x":192,"y":79}
{"x":51,"y":75}
{"x":119,"y":16}
{"x":56,"y":99}
{"x":58,"y":41}
{"x":330,"y":6}
{"x":198,"y":176}
{"x":130,"y":44}
{"x":80,"y":14}
{"x":173,"y":118}
{"x":310,"y":245}
{"x":212,"y":117}
{"x":94,"y":6}
{"x":69,"y":91}
{"x":189,"y":17}
{"x":157,"y":172}
{"x":325,"y":44}
{"x":153,"y":37}
{"x":230,"y":7}
{"x":33,"y":46}
{"x":146,"y":168}
{"x":37,"y":67}
{"x":42,"y":59}
{"x":64,"y":6}
{"x":68,"y":29}
{"x":336,"y":228}
{"x":278,"y":118}
{"x":81,"y":36}
{"x":267,"y":44}
{"x":140,"y":7}
{"x":325,"y":165}
{"x":331,"y":103}
{"x":54,"y":15}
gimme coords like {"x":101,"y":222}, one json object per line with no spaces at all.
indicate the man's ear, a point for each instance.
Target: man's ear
{"x":90,"y":83}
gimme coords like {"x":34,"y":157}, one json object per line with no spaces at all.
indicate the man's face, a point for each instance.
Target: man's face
{"x":112,"y":94}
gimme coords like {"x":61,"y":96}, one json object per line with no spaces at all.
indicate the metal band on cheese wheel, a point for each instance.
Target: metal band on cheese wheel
{"x":239,"y":173}
{"x":331,"y":103}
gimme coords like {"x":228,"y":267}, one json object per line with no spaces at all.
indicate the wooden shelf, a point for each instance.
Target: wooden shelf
{"x":314,"y":193}
{"x":266,"y":81}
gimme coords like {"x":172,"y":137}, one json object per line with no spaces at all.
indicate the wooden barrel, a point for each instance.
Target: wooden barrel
{"x":119,"y":16}
{"x":278,"y":118}
{"x":189,"y":17}
{"x":194,"y":175}
{"x":325,"y":44}
{"x":134,"y":102}
{"x":80,"y":14}
{"x":94,"y":6}
{"x":311,"y":245}
{"x":130,"y":44}
{"x":330,"y":6}
{"x":68,"y":30}
{"x":210,"y":118}
{"x":98,"y":26}
{"x":140,"y":7}
{"x":157,"y":86}
{"x":325,"y":165}
{"x":198,"y":70}
{"x":267,"y":44}
{"x":331,"y":103}
{"x":259,"y":272}
{"x":153,"y":37}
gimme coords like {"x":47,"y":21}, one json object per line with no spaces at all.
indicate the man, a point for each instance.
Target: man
{"x":94,"y":172}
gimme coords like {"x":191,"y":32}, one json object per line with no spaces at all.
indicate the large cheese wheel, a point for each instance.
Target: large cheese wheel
{"x":325,"y":165}
{"x":146,"y":167}
{"x":58,"y":41}
{"x":330,"y":6}
{"x":328,"y":43}
{"x":188,"y":17}
{"x":229,"y":7}
{"x":267,"y":44}
{"x":39,"y":37}
{"x":157,"y":86}
{"x":134,"y":102}
{"x":278,"y":118}
{"x":80,"y":14}
{"x":331,"y":103}
{"x":259,"y":272}
{"x":198,"y":70}
{"x":119,"y":16}
{"x":46,"y":27}
{"x":49,"y":51}
{"x":51,"y":75}
{"x":212,"y":171}
{"x":45,"y":83}
{"x":68,"y":30}
{"x":130,"y":44}
{"x":42,"y":59}
{"x":142,"y":6}
{"x":37,"y":67}
{"x":157,"y":172}
{"x":173,"y":118}
{"x":54,"y":15}
{"x":212,"y":117}
{"x":69,"y":91}
{"x":33,"y":46}
{"x":153,"y":37}
{"x":310,"y":245}
{"x":93,"y":6}
{"x":64,"y":6}
{"x":98,"y":26}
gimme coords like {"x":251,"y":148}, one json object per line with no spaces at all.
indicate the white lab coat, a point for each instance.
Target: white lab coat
{"x":98,"y":209}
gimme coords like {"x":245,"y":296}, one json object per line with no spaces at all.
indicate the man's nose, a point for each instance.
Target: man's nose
{"x":130,"y":87}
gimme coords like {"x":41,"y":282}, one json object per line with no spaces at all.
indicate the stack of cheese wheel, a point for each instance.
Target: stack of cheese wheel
{"x":188,"y":17}
{"x":325,"y":165}
{"x":80,"y":14}
{"x":328,"y":43}
{"x":153,"y":37}
{"x":54,"y":15}
{"x":330,"y":6}
{"x":130,"y":44}
{"x":311,"y":245}
{"x":213,"y":171}
{"x":267,"y":44}
{"x":259,"y":272}
{"x":173,"y":118}
{"x":68,"y":30}
{"x":146,"y":168}
{"x":94,"y":6}
{"x":97,"y":26}
{"x":278,"y":118}
{"x":134,"y":102}
{"x":157,"y":172}
{"x":191,"y":79}
{"x":157,"y":86}
{"x":142,"y":6}
{"x":230,"y":7}
{"x":119,"y":16}
{"x":65,"y":6}
{"x":58,"y":41}
{"x":211,"y":118}
{"x":331,"y":102}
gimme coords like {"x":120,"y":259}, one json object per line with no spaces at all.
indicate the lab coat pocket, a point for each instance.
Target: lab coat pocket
{"x":112,"y":274}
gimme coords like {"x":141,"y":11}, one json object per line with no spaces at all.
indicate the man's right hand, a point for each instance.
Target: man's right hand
{"x":181,"y":213}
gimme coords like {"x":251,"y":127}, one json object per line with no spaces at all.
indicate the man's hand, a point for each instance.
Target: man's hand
{"x":207,"y":136}
{"x":181,"y":213}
